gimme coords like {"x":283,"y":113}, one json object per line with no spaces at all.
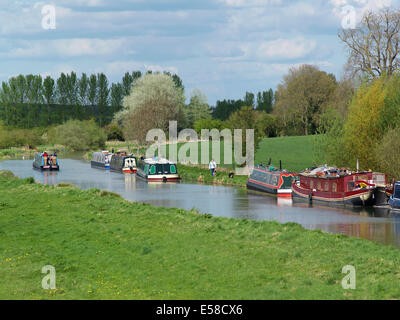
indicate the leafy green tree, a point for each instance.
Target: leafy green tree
{"x":198,"y":108}
{"x":80,"y":135}
{"x":153,"y":102}
{"x":302,"y":97}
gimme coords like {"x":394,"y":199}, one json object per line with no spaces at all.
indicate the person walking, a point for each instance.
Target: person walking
{"x":212,"y":167}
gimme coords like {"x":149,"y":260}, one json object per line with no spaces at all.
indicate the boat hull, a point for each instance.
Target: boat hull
{"x":359,"y":198}
{"x":256,"y":186}
{"x":46,"y":168}
{"x":158,"y":178}
{"x":99,"y":165}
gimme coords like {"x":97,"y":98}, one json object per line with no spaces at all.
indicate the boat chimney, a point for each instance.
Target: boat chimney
{"x":280,"y":164}
{"x":269,"y":161}
{"x":358,"y":165}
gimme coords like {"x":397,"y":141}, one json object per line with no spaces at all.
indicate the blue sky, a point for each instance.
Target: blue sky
{"x":222,"y":47}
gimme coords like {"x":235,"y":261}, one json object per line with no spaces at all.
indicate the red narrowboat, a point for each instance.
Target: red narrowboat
{"x":341,"y":187}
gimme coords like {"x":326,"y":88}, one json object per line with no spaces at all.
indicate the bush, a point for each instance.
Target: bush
{"x":209,"y":124}
{"x":387,"y":153}
{"x":114,"y":132}
{"x":80,"y":135}
{"x":10,"y":137}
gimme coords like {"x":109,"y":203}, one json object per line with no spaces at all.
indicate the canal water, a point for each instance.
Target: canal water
{"x":378,"y":225}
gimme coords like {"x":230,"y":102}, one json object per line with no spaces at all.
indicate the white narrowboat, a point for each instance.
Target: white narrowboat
{"x":101,"y":160}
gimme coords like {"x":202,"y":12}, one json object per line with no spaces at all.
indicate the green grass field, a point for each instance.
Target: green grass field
{"x":296,"y":153}
{"x":104,"y":247}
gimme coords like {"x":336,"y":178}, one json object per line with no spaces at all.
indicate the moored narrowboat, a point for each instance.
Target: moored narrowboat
{"x":46,"y":162}
{"x":333,"y":186}
{"x":101,"y":160}
{"x":394,"y":201}
{"x":121,"y":162}
{"x":158,"y":170}
{"x":271,"y":180}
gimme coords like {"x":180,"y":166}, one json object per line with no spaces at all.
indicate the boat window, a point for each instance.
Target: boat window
{"x":326,"y":186}
{"x":173,"y":168}
{"x":350,"y":186}
{"x":152,"y":169}
{"x":275,"y":180}
{"x":311,"y":184}
{"x":146,"y":169}
{"x":319,"y":186}
{"x":334,"y":187}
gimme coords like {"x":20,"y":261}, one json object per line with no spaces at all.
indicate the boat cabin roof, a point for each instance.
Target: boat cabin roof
{"x":158,"y":161}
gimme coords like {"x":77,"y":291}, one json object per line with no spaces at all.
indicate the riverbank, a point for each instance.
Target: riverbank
{"x":104,"y":247}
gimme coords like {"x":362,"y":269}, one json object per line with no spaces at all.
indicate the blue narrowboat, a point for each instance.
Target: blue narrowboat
{"x":394,"y":200}
{"x":46,"y":162}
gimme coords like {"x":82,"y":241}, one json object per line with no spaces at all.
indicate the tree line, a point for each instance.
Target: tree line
{"x":28,"y":101}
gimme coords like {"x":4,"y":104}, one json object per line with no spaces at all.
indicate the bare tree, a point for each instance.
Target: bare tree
{"x":374,"y":45}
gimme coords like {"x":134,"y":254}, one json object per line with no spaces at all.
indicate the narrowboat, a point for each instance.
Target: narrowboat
{"x":157,"y":170}
{"x":271,"y":180}
{"x":101,"y":160}
{"x":394,"y":200}
{"x":121,"y":162}
{"x":46,"y":162}
{"x":332,"y":186}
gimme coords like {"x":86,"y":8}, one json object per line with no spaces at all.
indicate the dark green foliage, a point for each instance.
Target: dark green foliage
{"x":114,"y":132}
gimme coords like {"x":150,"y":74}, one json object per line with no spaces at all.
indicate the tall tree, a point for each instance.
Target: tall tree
{"x":83,"y":88}
{"x":92,"y":89}
{"x":374,"y":46}
{"x":302,"y":97}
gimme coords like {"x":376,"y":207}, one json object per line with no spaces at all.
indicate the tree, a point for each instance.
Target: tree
{"x":117,"y":95}
{"x":375,"y":44}
{"x":83,"y":88}
{"x":265,"y":100}
{"x":246,"y":118}
{"x":153,"y":101}
{"x":92,"y":89}
{"x":302,"y":97}
{"x":249,"y":99}
{"x":362,"y":129}
{"x":198,"y":108}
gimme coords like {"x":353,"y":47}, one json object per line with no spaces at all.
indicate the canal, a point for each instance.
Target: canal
{"x":378,"y":225}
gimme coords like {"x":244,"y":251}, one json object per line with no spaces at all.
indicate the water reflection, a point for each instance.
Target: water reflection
{"x":379,"y":225}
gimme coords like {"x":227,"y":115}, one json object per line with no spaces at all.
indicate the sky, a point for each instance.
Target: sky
{"x":222,"y":47}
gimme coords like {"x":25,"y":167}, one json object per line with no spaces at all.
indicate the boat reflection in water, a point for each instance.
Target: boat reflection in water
{"x":50,"y":178}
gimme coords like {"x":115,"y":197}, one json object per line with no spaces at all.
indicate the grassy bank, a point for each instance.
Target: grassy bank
{"x":203,"y":175}
{"x":296,"y":153}
{"x":20,"y":153}
{"x":104,"y":247}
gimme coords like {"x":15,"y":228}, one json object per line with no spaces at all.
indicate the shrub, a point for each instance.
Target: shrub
{"x":114,"y":132}
{"x":10,"y":137}
{"x":80,"y":135}
{"x":209,"y":124}
{"x":387,"y":153}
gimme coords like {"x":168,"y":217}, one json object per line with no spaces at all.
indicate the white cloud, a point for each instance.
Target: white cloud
{"x":67,"y":48}
{"x":285,"y":49}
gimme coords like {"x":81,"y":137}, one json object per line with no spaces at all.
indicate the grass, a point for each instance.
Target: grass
{"x":296,"y":153}
{"x":104,"y":247}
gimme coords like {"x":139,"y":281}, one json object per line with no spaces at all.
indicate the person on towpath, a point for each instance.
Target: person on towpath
{"x":212,"y":167}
